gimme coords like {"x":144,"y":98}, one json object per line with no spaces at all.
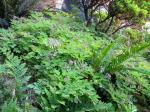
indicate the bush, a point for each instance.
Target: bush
{"x":69,"y":68}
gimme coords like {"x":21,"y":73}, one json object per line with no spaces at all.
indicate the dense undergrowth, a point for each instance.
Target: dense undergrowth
{"x":51,"y":62}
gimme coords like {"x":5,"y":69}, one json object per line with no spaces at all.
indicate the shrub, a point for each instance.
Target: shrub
{"x":70,"y":68}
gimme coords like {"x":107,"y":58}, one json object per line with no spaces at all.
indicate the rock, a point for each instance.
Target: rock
{"x":4,"y":23}
{"x":45,"y":3}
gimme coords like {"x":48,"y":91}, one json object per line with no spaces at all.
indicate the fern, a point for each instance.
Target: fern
{"x":58,"y":55}
{"x":117,"y":61}
{"x":11,"y":106}
{"x":103,"y":56}
{"x":145,"y":72}
{"x":15,"y":69}
{"x":105,"y":61}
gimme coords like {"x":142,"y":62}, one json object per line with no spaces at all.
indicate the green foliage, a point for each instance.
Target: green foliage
{"x":110,"y":16}
{"x":77,"y":95}
{"x":131,"y":9}
{"x":70,"y":69}
{"x":13,"y":82}
{"x":10,"y":106}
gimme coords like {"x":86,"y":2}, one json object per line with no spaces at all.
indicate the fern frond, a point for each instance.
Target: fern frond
{"x":2,"y":68}
{"x":102,"y":58}
{"x":15,"y":69}
{"x":117,"y":61}
{"x":10,"y":106}
{"x":140,"y":70}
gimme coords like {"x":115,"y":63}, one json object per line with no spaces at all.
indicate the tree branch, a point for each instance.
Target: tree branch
{"x":101,"y":22}
{"x":121,"y":27}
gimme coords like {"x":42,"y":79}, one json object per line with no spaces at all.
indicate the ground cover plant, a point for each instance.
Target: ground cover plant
{"x":52,"y":62}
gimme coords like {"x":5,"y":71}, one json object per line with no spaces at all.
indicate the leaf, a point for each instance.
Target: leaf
{"x":3,"y":69}
{"x":140,"y":70}
{"x":118,"y":60}
{"x":104,"y":55}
